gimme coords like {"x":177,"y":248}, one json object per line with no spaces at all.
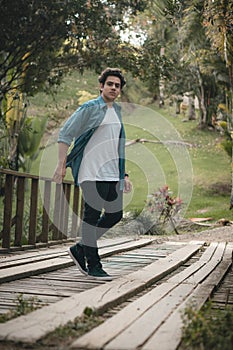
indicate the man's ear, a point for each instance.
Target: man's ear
{"x":101,"y":86}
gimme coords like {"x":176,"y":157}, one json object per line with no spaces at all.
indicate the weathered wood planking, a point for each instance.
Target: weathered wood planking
{"x":53,"y":286}
{"x":169,"y":334}
{"x":31,"y":327}
{"x":150,"y":312}
{"x":106,"y":332}
{"x":24,"y":257}
{"x":65,"y":282}
{"x":54,"y":263}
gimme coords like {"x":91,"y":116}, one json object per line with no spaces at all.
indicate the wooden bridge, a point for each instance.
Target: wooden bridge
{"x":153,"y":281}
{"x":153,"y":284}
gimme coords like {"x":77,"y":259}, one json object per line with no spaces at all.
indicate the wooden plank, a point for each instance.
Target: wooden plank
{"x":133,"y":337}
{"x":209,"y":251}
{"x":53,"y":284}
{"x":22,"y":271}
{"x":135,"y":311}
{"x":169,"y":334}
{"x":205,"y":257}
{"x":100,"y":336}
{"x":27,"y":270}
{"x":201,"y":274}
{"x":107,"y":331}
{"x":31,"y":259}
{"x":120,"y":248}
{"x":22,"y":256}
{"x":31,"y":327}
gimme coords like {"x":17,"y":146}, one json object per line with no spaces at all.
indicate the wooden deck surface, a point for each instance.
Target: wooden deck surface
{"x":150,"y":319}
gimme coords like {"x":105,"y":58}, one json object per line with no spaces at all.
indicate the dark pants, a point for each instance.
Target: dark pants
{"x":102,"y":210}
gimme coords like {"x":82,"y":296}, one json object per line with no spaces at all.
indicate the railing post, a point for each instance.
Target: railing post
{"x":62,"y":207}
{"x":66,"y":209}
{"x":19,"y":211}
{"x":76,"y":195}
{"x":33,"y":212}
{"x":9,"y":183}
{"x":46,"y":211}
{"x":57,"y":212}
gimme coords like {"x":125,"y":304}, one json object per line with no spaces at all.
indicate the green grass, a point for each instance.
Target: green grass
{"x":209,"y":328}
{"x":200,"y":174}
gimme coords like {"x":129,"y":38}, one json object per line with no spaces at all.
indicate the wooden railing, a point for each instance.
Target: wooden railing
{"x":36,"y":210}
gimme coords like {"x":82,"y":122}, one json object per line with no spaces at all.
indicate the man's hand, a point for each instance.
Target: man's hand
{"x":60,"y":173}
{"x":127,"y":185}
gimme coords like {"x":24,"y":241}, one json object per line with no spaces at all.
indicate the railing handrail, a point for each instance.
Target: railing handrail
{"x":30,"y":176}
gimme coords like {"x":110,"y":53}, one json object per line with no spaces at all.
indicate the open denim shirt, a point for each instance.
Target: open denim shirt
{"x":81,"y":126}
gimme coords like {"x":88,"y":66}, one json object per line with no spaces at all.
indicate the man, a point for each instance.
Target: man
{"x":97,"y":160}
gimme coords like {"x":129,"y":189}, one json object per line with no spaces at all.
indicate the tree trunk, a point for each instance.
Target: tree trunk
{"x":201,"y":101}
{"x":191,"y":109}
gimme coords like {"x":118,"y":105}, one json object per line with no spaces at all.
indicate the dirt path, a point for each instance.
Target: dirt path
{"x":219,"y":234}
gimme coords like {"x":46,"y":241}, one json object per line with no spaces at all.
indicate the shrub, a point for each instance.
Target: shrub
{"x":164,"y":207}
{"x":207,"y":329}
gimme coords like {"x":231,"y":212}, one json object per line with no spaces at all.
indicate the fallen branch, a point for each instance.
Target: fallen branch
{"x":181,"y":143}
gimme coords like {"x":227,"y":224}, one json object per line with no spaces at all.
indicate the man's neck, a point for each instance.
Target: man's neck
{"x":109,"y":103}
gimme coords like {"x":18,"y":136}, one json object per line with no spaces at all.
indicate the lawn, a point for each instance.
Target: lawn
{"x":190,"y":161}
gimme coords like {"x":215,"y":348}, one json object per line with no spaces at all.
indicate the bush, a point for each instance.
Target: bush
{"x":164,"y":207}
{"x":208,"y":329}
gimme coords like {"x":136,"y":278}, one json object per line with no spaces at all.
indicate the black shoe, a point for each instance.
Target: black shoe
{"x":98,"y":273}
{"x":77,"y":255}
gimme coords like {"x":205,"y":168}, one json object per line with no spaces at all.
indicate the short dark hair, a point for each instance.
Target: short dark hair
{"x":116,"y":72}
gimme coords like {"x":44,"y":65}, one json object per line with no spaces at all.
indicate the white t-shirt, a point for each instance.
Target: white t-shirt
{"x":100,"y":158}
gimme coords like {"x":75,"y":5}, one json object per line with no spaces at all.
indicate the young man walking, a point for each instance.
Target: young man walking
{"x":97,"y":160}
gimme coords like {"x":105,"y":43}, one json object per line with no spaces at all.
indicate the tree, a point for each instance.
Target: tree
{"x":218,"y":21}
{"x":192,"y":65}
{"x":41,"y":40}
{"x":219,"y":29}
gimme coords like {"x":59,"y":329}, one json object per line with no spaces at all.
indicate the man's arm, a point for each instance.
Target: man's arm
{"x":60,"y":170}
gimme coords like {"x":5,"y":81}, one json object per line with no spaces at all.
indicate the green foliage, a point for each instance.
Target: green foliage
{"x":88,"y":311}
{"x":39,"y":220}
{"x":29,"y":140}
{"x":41,"y":40}
{"x":84,"y":96}
{"x":207,"y":330}
{"x":30,"y":135}
{"x":78,"y":327}
{"x":225,"y":124}
{"x":227,"y":146}
{"x":23,"y":306}
{"x":196,"y":38}
{"x":152,"y":66}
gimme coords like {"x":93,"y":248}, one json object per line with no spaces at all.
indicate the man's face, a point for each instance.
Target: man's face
{"x":111,"y":89}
